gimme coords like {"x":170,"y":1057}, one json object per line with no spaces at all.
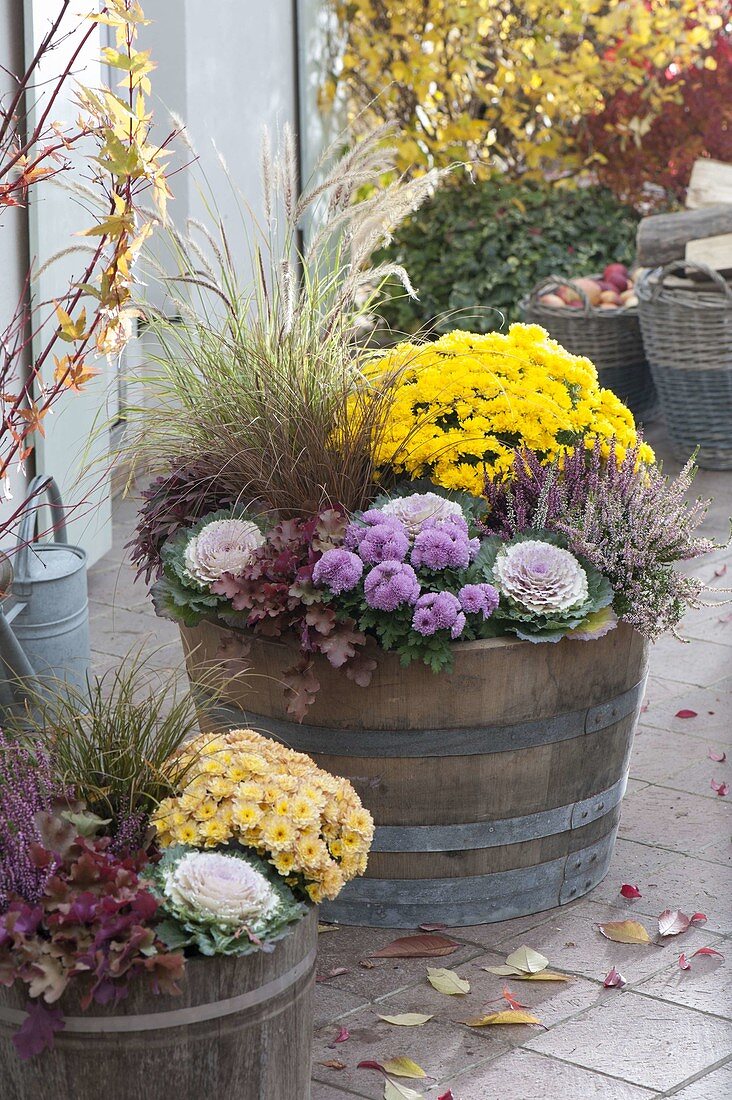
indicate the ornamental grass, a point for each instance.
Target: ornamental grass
{"x":254,"y":384}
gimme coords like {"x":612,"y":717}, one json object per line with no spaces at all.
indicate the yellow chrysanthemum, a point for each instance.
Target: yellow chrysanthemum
{"x":462,"y":405}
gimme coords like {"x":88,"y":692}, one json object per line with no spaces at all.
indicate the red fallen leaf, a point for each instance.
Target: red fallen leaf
{"x":721,"y":788}
{"x":429,"y":946}
{"x":432,"y":927}
{"x":332,"y":1063}
{"x":645,"y":706}
{"x":685,"y":714}
{"x":672,"y":921}
{"x":708,"y":951}
{"x":343,"y":1034}
{"x":718,"y":757}
{"x":630,"y":891}
{"x":698,"y":918}
{"x":510,"y":999}
{"x":614,"y":979}
{"x":684,"y":963}
{"x":371,"y":1065}
{"x":720,"y":571}
{"x":446,"y":1095}
{"x":332,"y":974}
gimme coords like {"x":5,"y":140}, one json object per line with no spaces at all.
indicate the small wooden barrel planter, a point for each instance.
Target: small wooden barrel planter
{"x":496,"y":789}
{"x":241,"y":1030}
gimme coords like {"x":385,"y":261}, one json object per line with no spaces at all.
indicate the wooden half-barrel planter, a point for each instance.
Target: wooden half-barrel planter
{"x":242,"y":1030}
{"x":495,"y":789}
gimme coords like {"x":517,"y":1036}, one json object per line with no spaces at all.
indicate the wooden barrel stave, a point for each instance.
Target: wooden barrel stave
{"x":505,"y":801}
{"x":257,"y":1053}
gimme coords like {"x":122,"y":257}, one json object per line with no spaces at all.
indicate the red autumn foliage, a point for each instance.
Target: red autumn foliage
{"x":699,"y":125}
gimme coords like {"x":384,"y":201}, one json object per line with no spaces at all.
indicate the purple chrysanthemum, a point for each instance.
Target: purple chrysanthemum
{"x":390,"y":584}
{"x":478,"y":599}
{"x":443,"y":544}
{"x":339,"y":570}
{"x":384,"y":542}
{"x":360,"y":527}
{"x":458,"y":626}
{"x":436,"y":611}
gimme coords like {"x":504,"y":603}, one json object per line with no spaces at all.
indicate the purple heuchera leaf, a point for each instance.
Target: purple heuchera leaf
{"x":38,"y":1030}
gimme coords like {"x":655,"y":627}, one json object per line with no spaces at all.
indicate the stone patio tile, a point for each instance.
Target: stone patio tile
{"x":697,"y":663}
{"x":705,"y":987}
{"x":668,"y":880}
{"x":115,"y":631}
{"x":713,"y":707}
{"x":525,"y":1075}
{"x":441,"y":1047}
{"x":669,"y":759}
{"x":651,"y":1043}
{"x":676,"y":820}
{"x":488,"y":935}
{"x":349,"y":946}
{"x":713,"y":624}
{"x":572,"y":943}
{"x":330,"y":1002}
{"x":115,"y":586}
{"x":325,"y":1092}
{"x":697,"y":779}
{"x":716,"y":1085}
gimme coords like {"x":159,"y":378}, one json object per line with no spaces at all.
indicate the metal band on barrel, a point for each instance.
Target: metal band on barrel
{"x":492,"y":834}
{"x":180,"y":1017}
{"x":469,"y":741}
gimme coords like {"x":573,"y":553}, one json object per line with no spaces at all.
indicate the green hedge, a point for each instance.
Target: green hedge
{"x":487,"y":244}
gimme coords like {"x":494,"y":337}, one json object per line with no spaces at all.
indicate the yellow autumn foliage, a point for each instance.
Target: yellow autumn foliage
{"x":506,"y":83}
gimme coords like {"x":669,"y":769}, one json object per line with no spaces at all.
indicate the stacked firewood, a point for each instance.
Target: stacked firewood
{"x":700,"y":234}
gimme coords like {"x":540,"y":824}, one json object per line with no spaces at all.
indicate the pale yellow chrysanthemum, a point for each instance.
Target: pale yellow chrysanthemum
{"x":277,"y":832}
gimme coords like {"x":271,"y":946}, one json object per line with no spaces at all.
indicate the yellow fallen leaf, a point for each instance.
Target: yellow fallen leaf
{"x":446,"y":981}
{"x":624,"y":931}
{"x":395,"y":1090}
{"x":527,"y":960}
{"x":407,"y":1019}
{"x":403,"y":1067}
{"x":504,"y":971}
{"x":328,"y":928}
{"x":508,"y":1016}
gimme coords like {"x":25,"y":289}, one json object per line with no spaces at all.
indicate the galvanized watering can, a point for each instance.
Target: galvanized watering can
{"x":44,"y":630}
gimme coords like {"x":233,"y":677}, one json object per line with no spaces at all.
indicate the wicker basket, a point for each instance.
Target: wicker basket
{"x":611,"y":338}
{"x":687,"y":332}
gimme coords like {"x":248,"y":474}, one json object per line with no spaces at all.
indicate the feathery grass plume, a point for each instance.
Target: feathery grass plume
{"x":113,"y":741}
{"x":254,"y":384}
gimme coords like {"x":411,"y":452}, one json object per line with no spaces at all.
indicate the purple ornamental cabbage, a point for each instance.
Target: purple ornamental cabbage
{"x":390,"y":584}
{"x":540,"y":577}
{"x":339,"y":570}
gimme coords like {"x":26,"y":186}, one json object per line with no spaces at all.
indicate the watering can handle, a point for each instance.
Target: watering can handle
{"x":42,"y":484}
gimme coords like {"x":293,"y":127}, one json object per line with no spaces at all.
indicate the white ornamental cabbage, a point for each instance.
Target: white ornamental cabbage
{"x":414,"y":510}
{"x":222,"y":546}
{"x":221,"y":888}
{"x":540,"y":577}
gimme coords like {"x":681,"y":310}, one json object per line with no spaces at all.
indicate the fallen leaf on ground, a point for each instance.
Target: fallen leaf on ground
{"x":333,"y":1063}
{"x":328,"y":928}
{"x":446,"y":1095}
{"x":447,"y":981}
{"x":343,"y":1034}
{"x":527,"y":960}
{"x":336,"y":973}
{"x":718,"y":757}
{"x":707,"y":951}
{"x":685,"y":714}
{"x":629,"y":891}
{"x":395,"y":1090}
{"x":624,"y":931}
{"x":721,"y":788}
{"x":432,"y":927}
{"x":684,"y":962}
{"x":428,"y":946}
{"x":403,"y":1067}
{"x":672,"y":921}
{"x":366,"y":964}
{"x":507,"y":1016}
{"x":698,"y":918}
{"x":407,"y":1019}
{"x":720,"y":570}
{"x":511,"y":1000}
{"x":614,"y":980}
